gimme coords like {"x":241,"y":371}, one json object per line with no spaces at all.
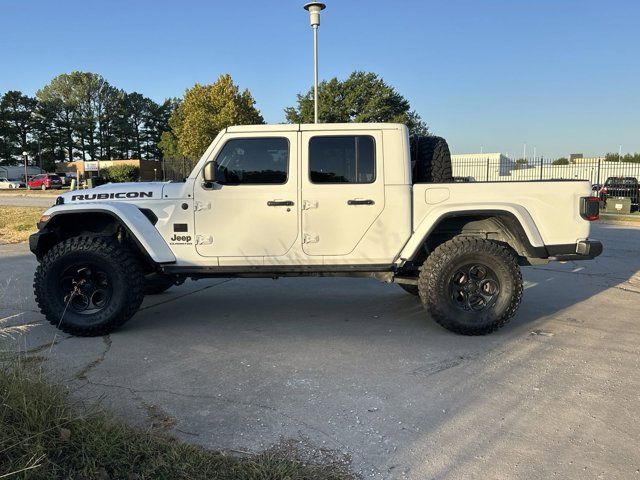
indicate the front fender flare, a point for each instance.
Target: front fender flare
{"x":132,"y":219}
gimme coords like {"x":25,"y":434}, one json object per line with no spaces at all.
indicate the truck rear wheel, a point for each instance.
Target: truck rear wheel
{"x":471,"y":286}
{"x":88,"y":286}
{"x":431,"y":160}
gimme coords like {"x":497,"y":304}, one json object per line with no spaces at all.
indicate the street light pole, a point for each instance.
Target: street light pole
{"x":25,"y":155}
{"x":314,"y":9}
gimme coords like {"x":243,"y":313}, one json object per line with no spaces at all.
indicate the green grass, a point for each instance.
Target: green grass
{"x":41,"y":432}
{"x":17,"y":223}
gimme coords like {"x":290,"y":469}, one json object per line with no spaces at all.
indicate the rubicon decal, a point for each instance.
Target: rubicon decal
{"x":107,"y":196}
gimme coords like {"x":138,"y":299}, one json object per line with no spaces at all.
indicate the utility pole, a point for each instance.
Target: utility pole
{"x":314,"y":9}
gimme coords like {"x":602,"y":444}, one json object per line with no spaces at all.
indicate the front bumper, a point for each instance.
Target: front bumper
{"x":581,"y":250}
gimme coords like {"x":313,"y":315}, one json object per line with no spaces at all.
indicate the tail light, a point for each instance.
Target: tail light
{"x":590,"y":208}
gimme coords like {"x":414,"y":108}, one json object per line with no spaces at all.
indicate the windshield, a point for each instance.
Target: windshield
{"x":621,"y":182}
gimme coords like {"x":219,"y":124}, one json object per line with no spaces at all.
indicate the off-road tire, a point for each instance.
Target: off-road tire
{"x":155,"y":284}
{"x":412,"y":289}
{"x":430,"y":160}
{"x":436,"y":275}
{"x":125,"y":273}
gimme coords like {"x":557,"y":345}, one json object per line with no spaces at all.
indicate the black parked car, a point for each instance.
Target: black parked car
{"x":621,"y":187}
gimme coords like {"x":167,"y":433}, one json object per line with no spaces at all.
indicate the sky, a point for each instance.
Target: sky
{"x":561,"y":76}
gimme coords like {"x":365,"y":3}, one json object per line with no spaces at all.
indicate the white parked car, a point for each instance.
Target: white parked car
{"x":358,"y":199}
{"x":6,"y":183}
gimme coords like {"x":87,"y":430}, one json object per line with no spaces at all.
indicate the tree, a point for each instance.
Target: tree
{"x":94,"y":120}
{"x":157,"y":124}
{"x":168,"y":144}
{"x":59,"y":96}
{"x":561,"y":161}
{"x":16,"y":124}
{"x":362,"y":97}
{"x":629,"y":157}
{"x":207,"y":109}
{"x":120,"y":173}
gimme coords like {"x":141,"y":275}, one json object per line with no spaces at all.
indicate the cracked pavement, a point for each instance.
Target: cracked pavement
{"x":355,"y":366}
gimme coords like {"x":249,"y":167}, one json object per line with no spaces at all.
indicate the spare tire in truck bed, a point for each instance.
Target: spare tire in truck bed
{"x":430,"y":160}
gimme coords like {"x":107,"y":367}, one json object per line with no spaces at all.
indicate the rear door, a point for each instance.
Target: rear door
{"x":342,"y":189}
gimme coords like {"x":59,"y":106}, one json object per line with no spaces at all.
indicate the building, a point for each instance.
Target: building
{"x":16,"y":172}
{"x":149,"y":169}
{"x":586,"y":160}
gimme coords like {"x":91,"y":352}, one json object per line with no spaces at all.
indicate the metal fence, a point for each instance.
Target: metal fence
{"x":492,"y":169}
{"x":177,"y":168}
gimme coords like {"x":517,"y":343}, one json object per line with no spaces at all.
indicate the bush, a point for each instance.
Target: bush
{"x":120,"y":173}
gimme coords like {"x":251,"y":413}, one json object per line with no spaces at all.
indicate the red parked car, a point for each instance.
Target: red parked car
{"x":45,"y":181}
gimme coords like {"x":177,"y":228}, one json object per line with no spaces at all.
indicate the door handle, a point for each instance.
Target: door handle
{"x":357,"y":201}
{"x":280,"y":203}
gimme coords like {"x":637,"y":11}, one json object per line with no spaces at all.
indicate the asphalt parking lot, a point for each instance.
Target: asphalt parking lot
{"x":356,"y":366}
{"x":27,"y":200}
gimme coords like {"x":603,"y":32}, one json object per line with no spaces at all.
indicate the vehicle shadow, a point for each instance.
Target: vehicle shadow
{"x":549,"y":289}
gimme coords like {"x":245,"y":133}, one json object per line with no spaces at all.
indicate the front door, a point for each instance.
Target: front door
{"x":342,"y":189}
{"x":251,"y":209}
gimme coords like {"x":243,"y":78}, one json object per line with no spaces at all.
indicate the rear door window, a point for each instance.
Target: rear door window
{"x":342,"y":159}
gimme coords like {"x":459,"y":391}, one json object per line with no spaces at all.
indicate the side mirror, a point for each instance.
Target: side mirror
{"x":209,"y":172}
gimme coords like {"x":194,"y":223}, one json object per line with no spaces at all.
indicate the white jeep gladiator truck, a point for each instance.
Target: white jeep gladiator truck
{"x":363,"y":200}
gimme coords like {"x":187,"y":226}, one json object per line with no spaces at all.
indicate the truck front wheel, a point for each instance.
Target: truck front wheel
{"x":471,"y":286}
{"x":88,"y":286}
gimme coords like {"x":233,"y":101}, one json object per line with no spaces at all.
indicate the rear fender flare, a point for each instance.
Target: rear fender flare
{"x":430,"y":222}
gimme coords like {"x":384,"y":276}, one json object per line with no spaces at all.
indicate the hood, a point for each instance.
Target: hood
{"x":113,"y":192}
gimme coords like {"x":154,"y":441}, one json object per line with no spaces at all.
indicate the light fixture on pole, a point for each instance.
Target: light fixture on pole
{"x":25,"y":155}
{"x":314,"y":9}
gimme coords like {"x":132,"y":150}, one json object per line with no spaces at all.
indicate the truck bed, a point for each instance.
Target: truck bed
{"x":549,"y":211}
